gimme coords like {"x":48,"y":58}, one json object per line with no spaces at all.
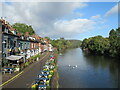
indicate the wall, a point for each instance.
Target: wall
{"x":0,"y":43}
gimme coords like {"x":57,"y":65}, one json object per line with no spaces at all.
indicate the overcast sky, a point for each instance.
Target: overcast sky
{"x":75,"y":20}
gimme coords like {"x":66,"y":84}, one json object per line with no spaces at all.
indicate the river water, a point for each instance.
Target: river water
{"x":78,"y":69}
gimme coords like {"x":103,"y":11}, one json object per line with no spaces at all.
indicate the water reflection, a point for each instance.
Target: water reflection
{"x":103,"y":62}
{"x":92,"y":71}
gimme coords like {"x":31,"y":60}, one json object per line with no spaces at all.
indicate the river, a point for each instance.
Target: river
{"x":78,"y":69}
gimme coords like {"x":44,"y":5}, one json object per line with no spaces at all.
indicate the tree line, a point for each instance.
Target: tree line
{"x":62,"y":44}
{"x":105,"y":46}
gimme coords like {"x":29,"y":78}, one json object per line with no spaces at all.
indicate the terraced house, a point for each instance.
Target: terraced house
{"x":9,"y":41}
{"x":17,"y":47}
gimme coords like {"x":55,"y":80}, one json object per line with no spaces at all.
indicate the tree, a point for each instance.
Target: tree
{"x":96,"y":44}
{"x":61,"y":44}
{"x":23,"y":28}
{"x":101,"y":45}
{"x":114,"y":37}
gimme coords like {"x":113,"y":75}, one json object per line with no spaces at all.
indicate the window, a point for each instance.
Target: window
{"x":5,"y":43}
{"x":6,"y":30}
{"x":21,"y":45}
{"x":22,"y":37}
{"x":3,"y":28}
{"x":25,"y":46}
{"x":15,"y":32}
{"x":8,"y":42}
{"x":14,"y":43}
{"x":4,"y":55}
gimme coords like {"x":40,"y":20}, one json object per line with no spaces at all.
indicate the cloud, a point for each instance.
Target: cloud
{"x":42,"y":16}
{"x":60,"y":0}
{"x":112,"y":11}
{"x":53,"y":19}
{"x":46,"y":12}
{"x":99,"y":19}
{"x":73,"y":27}
{"x":48,"y":18}
{"x":96,"y":17}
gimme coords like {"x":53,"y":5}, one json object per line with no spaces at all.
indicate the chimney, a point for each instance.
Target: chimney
{"x":27,"y":34}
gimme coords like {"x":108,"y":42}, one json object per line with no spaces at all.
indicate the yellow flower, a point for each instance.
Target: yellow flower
{"x":19,"y":48}
{"x":9,"y":50}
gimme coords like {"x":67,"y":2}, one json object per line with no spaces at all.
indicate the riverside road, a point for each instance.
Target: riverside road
{"x":28,"y":76}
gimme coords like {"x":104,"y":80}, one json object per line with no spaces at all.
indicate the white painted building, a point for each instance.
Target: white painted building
{"x":50,"y":47}
{"x":28,"y":54}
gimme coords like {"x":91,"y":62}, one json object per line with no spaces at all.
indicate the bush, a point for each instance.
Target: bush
{"x":27,"y":63}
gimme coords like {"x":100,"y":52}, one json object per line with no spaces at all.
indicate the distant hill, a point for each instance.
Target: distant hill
{"x":75,"y":43}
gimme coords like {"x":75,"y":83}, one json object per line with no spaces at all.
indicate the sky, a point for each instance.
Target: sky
{"x":71,"y":20}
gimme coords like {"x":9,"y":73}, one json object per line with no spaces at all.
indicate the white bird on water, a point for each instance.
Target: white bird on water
{"x":76,"y":66}
{"x":69,"y":65}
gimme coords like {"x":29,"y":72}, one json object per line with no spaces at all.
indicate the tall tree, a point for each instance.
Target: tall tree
{"x":113,"y":42}
{"x":114,"y":37}
{"x":23,"y":28}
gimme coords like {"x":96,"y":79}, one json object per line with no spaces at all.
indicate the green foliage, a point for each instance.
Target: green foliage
{"x":27,"y":63}
{"x":114,"y":37}
{"x":23,"y":28}
{"x":60,"y":44}
{"x":98,"y":44}
{"x":35,"y":57}
{"x":75,"y":43}
{"x":48,"y":38}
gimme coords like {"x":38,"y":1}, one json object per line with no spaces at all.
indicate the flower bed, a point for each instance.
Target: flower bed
{"x":44,"y":78}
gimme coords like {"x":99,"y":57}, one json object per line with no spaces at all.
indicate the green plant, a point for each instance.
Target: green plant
{"x":27,"y":63}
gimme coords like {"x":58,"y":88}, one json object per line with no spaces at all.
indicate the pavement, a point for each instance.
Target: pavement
{"x":28,"y":76}
{"x":7,"y":76}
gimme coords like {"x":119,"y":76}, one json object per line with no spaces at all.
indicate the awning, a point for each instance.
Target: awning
{"x":14,"y":57}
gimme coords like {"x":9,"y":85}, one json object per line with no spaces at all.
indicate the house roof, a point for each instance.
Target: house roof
{"x":26,"y":34}
{"x":10,"y":28}
{"x":19,"y":34}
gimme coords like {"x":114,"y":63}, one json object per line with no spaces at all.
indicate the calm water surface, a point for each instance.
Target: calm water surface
{"x":92,"y":71}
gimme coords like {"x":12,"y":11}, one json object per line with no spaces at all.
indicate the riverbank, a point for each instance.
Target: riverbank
{"x":55,"y":78}
{"x":48,"y":77}
{"x":86,"y":50}
{"x":106,"y":46}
